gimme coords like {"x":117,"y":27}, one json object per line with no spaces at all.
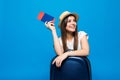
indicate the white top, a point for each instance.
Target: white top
{"x":70,"y":43}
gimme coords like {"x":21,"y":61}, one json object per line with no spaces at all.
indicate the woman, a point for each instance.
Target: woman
{"x":70,"y":38}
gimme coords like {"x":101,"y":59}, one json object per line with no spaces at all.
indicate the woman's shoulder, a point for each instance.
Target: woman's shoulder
{"x":82,"y":33}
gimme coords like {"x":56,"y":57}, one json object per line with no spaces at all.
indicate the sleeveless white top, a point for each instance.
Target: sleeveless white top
{"x":71,"y":43}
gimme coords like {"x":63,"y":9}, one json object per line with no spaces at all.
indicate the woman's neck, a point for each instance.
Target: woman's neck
{"x":69,"y":36}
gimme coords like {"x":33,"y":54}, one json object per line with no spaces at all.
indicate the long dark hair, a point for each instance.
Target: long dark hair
{"x":64,"y":34}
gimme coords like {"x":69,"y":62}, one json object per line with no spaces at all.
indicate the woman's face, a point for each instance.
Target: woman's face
{"x":71,"y":24}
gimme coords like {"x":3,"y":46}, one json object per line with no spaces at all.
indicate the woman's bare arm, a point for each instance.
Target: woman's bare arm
{"x":58,"y":48}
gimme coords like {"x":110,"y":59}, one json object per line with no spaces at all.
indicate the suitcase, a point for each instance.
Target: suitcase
{"x":72,"y":68}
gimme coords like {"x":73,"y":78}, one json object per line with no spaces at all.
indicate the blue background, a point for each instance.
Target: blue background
{"x":26,"y":46}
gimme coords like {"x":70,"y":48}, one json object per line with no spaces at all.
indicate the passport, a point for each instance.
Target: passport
{"x":45,"y":17}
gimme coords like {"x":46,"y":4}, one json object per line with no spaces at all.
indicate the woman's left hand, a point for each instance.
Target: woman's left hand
{"x":58,"y":60}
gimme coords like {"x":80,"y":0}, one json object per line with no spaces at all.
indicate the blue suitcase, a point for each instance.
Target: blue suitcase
{"x":73,"y":68}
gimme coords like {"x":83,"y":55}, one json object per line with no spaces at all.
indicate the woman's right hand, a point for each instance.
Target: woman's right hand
{"x":50,"y":25}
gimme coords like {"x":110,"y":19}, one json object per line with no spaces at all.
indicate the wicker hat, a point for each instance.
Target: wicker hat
{"x":64,"y":15}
